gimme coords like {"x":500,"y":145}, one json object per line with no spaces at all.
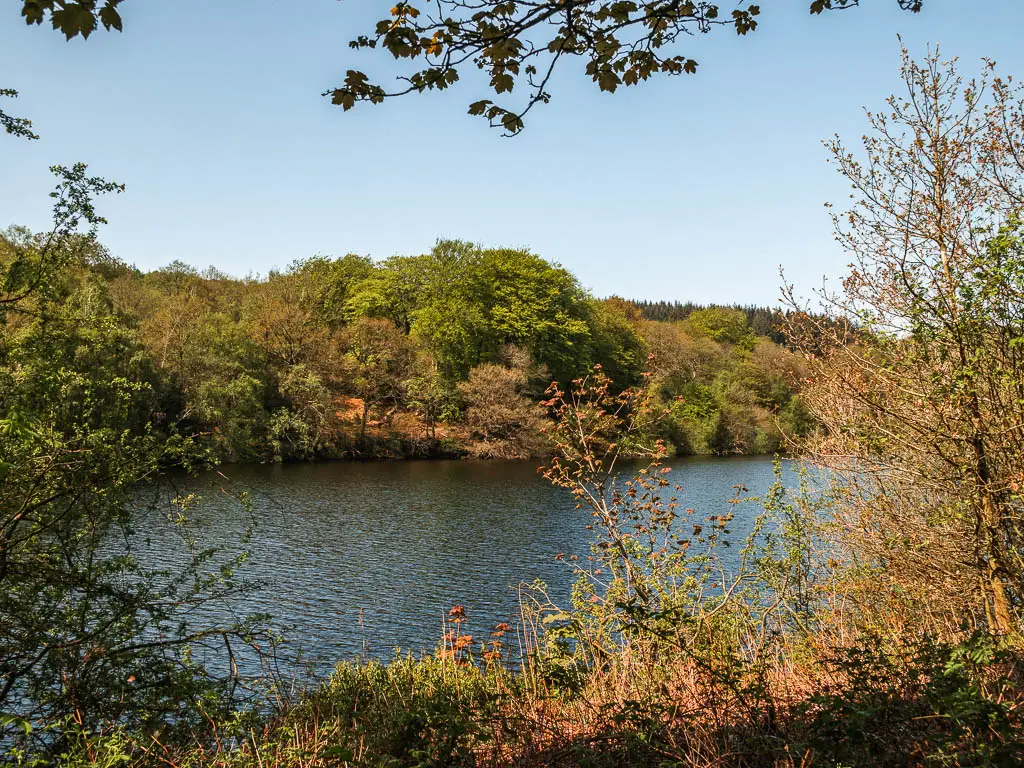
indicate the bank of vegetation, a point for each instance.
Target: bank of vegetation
{"x":442,"y":354}
{"x":874,"y":617}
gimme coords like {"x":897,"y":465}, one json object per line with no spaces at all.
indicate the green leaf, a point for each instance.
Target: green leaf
{"x":110,"y":18}
{"x":502,"y":83}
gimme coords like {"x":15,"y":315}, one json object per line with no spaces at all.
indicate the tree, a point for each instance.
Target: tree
{"x":538,"y":306}
{"x":328,"y":283}
{"x":517,"y":43}
{"x":31,"y":265}
{"x":615,"y":344}
{"x":280,"y":323}
{"x":214,"y":373}
{"x":721,"y":324}
{"x":429,"y":395}
{"x":721,"y":397}
{"x":302,"y":428}
{"x":464,"y":303}
{"x":90,"y":638}
{"x":380,"y":360}
{"x":451,"y":317}
{"x":503,"y":419}
{"x":680,"y":358}
{"x":392,"y":291}
{"x":923,"y":400}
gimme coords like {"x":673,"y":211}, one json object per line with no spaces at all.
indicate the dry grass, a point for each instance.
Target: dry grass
{"x":828,"y":698}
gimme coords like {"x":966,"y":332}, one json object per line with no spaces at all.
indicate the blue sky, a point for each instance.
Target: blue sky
{"x":693,"y":188}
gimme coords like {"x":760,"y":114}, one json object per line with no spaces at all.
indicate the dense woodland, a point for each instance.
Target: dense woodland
{"x":442,"y":354}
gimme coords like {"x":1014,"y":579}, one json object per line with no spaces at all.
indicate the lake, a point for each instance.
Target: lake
{"x":362,"y":558}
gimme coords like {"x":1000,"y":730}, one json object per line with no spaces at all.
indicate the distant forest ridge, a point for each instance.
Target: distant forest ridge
{"x":763,"y":321}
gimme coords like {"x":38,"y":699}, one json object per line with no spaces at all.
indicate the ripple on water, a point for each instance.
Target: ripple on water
{"x":367,"y":557}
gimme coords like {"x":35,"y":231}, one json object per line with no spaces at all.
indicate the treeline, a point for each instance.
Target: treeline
{"x":770,"y":322}
{"x":442,"y":354}
{"x":763,"y":321}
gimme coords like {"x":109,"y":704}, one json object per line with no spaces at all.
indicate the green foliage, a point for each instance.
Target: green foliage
{"x":464,"y":303}
{"x":769,"y":322}
{"x":727,"y":326}
{"x":30,"y":262}
{"x":616,"y":344}
{"x":929,"y":700}
{"x":723,"y":397}
{"x":15,"y":126}
{"x":431,"y":397}
{"x":380,"y":361}
{"x":90,"y":638}
{"x":520,"y":45}
{"x":537,"y":306}
{"x":301,"y":429}
{"x":346,"y":357}
{"x":73,"y":18}
{"x":328,"y":284}
{"x":408,"y":712}
{"x":450,"y":313}
{"x":694,"y":422}
{"x":318,"y":361}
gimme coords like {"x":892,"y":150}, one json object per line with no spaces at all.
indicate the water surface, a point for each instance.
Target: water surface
{"x":362,"y":558}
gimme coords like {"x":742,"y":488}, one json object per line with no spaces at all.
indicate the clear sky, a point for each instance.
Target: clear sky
{"x":692,"y":188}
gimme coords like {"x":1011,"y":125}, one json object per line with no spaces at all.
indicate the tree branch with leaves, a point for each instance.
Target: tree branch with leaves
{"x":517,"y":44}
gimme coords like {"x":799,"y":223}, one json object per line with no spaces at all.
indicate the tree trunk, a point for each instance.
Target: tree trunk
{"x":997,"y":602}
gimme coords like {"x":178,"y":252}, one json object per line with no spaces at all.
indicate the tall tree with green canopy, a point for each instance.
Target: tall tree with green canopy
{"x":539,"y":306}
{"x":392,"y":291}
{"x":453,"y":317}
{"x":615,"y":344}
{"x":464,"y":303}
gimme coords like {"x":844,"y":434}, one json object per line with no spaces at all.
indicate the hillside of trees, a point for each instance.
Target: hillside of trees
{"x":763,"y":321}
{"x":442,"y":354}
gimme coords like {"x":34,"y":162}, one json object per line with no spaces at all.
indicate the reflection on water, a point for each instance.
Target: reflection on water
{"x":363,"y":558}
